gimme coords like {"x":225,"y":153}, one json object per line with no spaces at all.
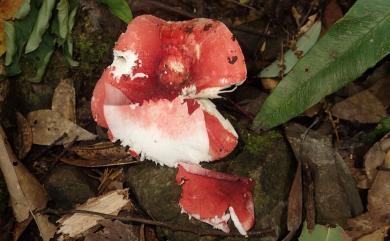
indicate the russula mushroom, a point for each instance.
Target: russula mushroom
{"x":208,"y":196}
{"x":154,"y":97}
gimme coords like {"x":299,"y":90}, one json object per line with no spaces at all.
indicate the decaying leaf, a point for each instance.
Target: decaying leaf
{"x":48,"y":126}
{"x":64,"y":100}
{"x":111,"y":179}
{"x":378,"y":235}
{"x":113,"y":231}
{"x":375,"y":157}
{"x":24,"y":136}
{"x":368,"y":222}
{"x":80,"y":162}
{"x":27,"y":194}
{"x":102,"y":150}
{"x":77,"y":224}
{"x":379,"y":193}
{"x":363,"y":107}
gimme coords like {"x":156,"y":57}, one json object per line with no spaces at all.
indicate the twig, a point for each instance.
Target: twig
{"x":259,"y":233}
{"x":242,"y":4}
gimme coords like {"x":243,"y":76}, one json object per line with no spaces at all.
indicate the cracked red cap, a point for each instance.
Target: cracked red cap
{"x":154,"y":96}
{"x":214,"y":197}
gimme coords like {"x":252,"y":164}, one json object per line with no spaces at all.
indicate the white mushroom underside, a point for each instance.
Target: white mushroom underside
{"x":161,"y":131}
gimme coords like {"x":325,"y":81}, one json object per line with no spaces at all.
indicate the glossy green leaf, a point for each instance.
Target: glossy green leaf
{"x":23,"y":29}
{"x":9,"y":31}
{"x":355,"y":43}
{"x":323,"y":233}
{"x":119,"y":8}
{"x":63,"y":18}
{"x":23,"y":10}
{"x":41,"y":57}
{"x":290,"y":58}
{"x":40,"y":26}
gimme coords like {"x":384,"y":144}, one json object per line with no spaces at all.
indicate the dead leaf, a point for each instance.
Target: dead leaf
{"x":375,"y":157}
{"x":26,"y":193}
{"x":269,"y":84}
{"x":113,"y":231}
{"x":64,"y":100}
{"x":48,"y":126}
{"x":368,"y":222}
{"x":363,"y":107}
{"x":111,"y":179}
{"x":98,"y":163}
{"x":310,"y":21}
{"x":332,"y":13}
{"x":296,"y":15}
{"x":102,"y":150}
{"x":77,"y":224}
{"x":24,"y":136}
{"x":379,"y":193}
{"x":378,"y":235}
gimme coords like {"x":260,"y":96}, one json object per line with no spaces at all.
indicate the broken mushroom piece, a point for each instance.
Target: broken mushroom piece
{"x":208,"y":196}
{"x":154,"y":96}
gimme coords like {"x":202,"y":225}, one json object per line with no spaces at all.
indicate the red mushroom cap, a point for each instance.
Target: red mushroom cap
{"x":153,"y":97}
{"x":208,"y":195}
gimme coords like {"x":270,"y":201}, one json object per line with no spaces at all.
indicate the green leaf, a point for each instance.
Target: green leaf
{"x":23,"y":10}
{"x":63,"y":18}
{"x":354,"y":44}
{"x":290,"y":58}
{"x":68,"y":48}
{"x":23,"y":29}
{"x":119,"y":8}
{"x":382,"y":128}
{"x":40,"y":26}
{"x":41,"y":57}
{"x":9,"y":42}
{"x":323,"y":233}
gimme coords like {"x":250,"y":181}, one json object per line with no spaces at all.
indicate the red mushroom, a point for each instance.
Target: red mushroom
{"x":154,"y":96}
{"x":208,"y":195}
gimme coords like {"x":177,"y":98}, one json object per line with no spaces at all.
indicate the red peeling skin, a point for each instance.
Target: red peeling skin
{"x":208,"y":52}
{"x":209,"y":194}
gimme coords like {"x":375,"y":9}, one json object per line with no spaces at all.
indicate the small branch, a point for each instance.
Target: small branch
{"x":258,"y":233}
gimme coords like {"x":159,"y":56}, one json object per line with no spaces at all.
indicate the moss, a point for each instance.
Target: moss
{"x":256,"y":144}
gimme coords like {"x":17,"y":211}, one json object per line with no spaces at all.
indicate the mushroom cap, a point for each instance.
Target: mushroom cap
{"x":229,"y":193}
{"x":154,"y":96}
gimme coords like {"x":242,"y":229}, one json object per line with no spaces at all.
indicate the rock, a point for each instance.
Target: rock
{"x":270,"y":165}
{"x":68,"y":186}
{"x":336,"y":196}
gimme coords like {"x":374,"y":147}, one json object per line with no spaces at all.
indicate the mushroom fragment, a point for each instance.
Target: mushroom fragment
{"x":208,"y":195}
{"x":154,"y":96}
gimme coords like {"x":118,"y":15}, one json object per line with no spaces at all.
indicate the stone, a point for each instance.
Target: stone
{"x":270,"y":165}
{"x":68,"y":186}
{"x":336,"y":196}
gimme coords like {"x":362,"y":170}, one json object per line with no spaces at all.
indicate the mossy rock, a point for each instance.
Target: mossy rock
{"x":270,"y":166}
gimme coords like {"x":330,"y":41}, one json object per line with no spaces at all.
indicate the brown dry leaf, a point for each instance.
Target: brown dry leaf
{"x":269,"y":84}
{"x":26,"y":193}
{"x":363,"y":107}
{"x":331,"y":14}
{"x":378,"y":235}
{"x":98,"y":162}
{"x":48,"y":126}
{"x":294,"y":210}
{"x":375,"y":157}
{"x":379,"y":194}
{"x":367,"y":223}
{"x":64,"y":100}
{"x":8,"y":9}
{"x":113,"y":231}
{"x":111,"y":179}
{"x":101,"y":150}
{"x":77,"y":224}
{"x":24,"y":136}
